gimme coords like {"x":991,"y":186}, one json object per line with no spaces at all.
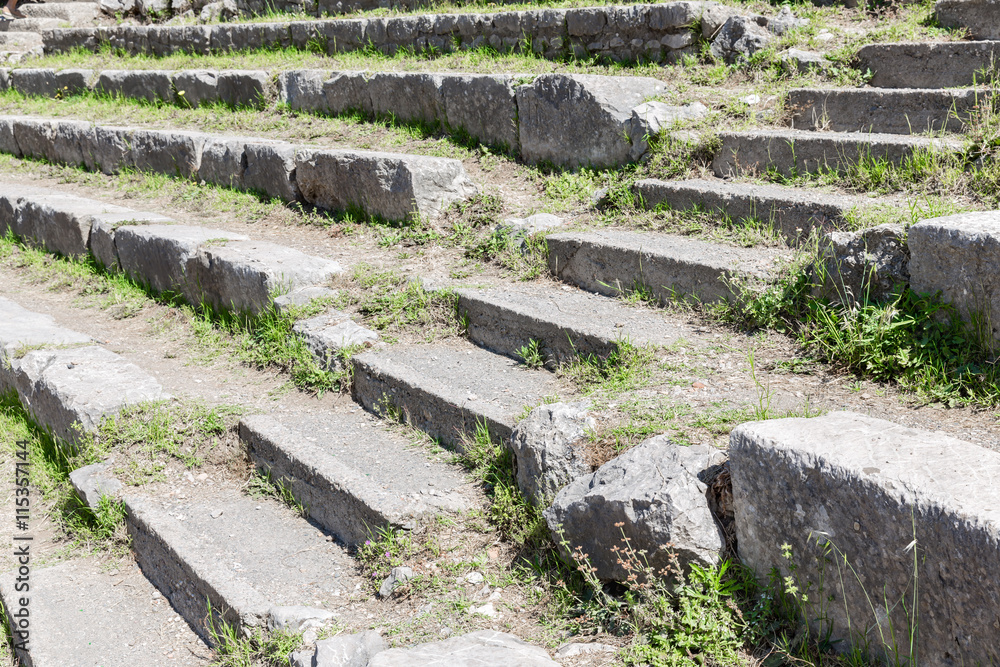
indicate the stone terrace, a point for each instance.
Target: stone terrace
{"x":531,"y":347}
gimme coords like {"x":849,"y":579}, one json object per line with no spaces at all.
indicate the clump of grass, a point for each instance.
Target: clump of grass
{"x":525,"y":256}
{"x":50,"y":464}
{"x":491,"y":463}
{"x":151,"y":435}
{"x":254,"y":648}
{"x":395,"y":305}
{"x":625,"y":368}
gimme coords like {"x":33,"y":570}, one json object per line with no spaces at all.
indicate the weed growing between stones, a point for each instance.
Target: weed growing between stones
{"x":396,"y":306}
{"x":626,"y":368}
{"x":264,"y":485}
{"x":914,"y":340}
{"x":102,"y":529}
{"x":146,"y":438}
{"x":259,"y":648}
{"x":491,"y":463}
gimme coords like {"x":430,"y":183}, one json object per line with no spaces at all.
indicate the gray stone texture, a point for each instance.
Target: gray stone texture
{"x":243,"y":555}
{"x":172,"y":152}
{"x":870,"y":265}
{"x":244,"y":88}
{"x":297,"y":618}
{"x":883,"y":111}
{"x":160,"y":255}
{"x":69,"y":391}
{"x":629,"y":33}
{"x":349,"y":650}
{"x":22,"y":330}
{"x":65,"y":142}
{"x":483,"y":648}
{"x":352,"y":474}
{"x":244,"y":276}
{"x":865,"y":489}
{"x":980,"y":17}
{"x":93,"y":482}
{"x":794,"y":212}
{"x":224,"y":162}
{"x":928,"y":64}
{"x":447,"y":392}
{"x":50,"y":82}
{"x":483,"y":106}
{"x":565,"y":323}
{"x":102,"y":232}
{"x":59,"y":223}
{"x":650,"y":119}
{"x":393,"y":186}
{"x":794,"y":151}
{"x":328,"y":334}
{"x":802,"y":62}
{"x":396,"y":578}
{"x":149,"y":85}
{"x":739,"y":38}
{"x":270,"y":168}
{"x":614,"y":262}
{"x":302,"y":297}
{"x":580,"y":119}
{"x":128,"y":631}
{"x":658,"y":490}
{"x":959,"y":256}
{"x":196,"y":87}
{"x":550,"y":449}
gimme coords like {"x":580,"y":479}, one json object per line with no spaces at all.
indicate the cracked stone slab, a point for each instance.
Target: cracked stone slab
{"x":352,"y":474}
{"x":44,"y":82}
{"x":247,"y":275}
{"x":60,"y":223}
{"x":613,"y":262}
{"x":447,"y":391}
{"x":580,"y":119}
{"x":980,"y":17}
{"x":82,"y":615}
{"x":565,"y":323}
{"x":868,"y":487}
{"x":69,"y":391}
{"x":93,"y":482}
{"x":793,"y":211}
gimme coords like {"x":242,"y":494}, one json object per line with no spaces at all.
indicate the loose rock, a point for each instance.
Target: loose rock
{"x":398,"y":577}
{"x":740,"y":38}
{"x":657,"y":491}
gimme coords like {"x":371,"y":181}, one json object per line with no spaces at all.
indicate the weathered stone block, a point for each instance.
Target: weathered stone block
{"x":870,"y":265}
{"x":22,"y":330}
{"x":489,"y":648}
{"x":149,"y":85}
{"x":484,"y":106}
{"x":196,"y":87}
{"x":581,"y":119}
{"x":60,"y":223}
{"x":549,"y":448}
{"x":980,"y":17}
{"x":245,"y":88}
{"x":170,"y":152}
{"x":244,"y":276}
{"x":50,"y":82}
{"x":959,"y":256}
{"x":270,"y":168}
{"x":849,"y":487}
{"x":385,"y":184}
{"x":158,"y":255}
{"x":69,"y":391}
{"x":658,"y":492}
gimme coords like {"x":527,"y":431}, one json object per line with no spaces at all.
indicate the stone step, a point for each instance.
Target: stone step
{"x":567,"y":322}
{"x":928,"y":64}
{"x":351,"y":473}
{"x":981,"y":18}
{"x":670,"y":267}
{"x":794,"y":212}
{"x":66,"y":384}
{"x":795,"y":151}
{"x":603,"y":126}
{"x":74,"y":12}
{"x":245,"y":556}
{"x":204,"y":265}
{"x":37,"y":25}
{"x":904,"y":111}
{"x":448,"y":389}
{"x":393,"y":186}
{"x":654,"y":32}
{"x":845,"y":485}
{"x":81,"y":614}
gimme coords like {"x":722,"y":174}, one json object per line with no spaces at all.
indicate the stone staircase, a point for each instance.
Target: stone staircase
{"x":24,"y":36}
{"x":217,"y":554}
